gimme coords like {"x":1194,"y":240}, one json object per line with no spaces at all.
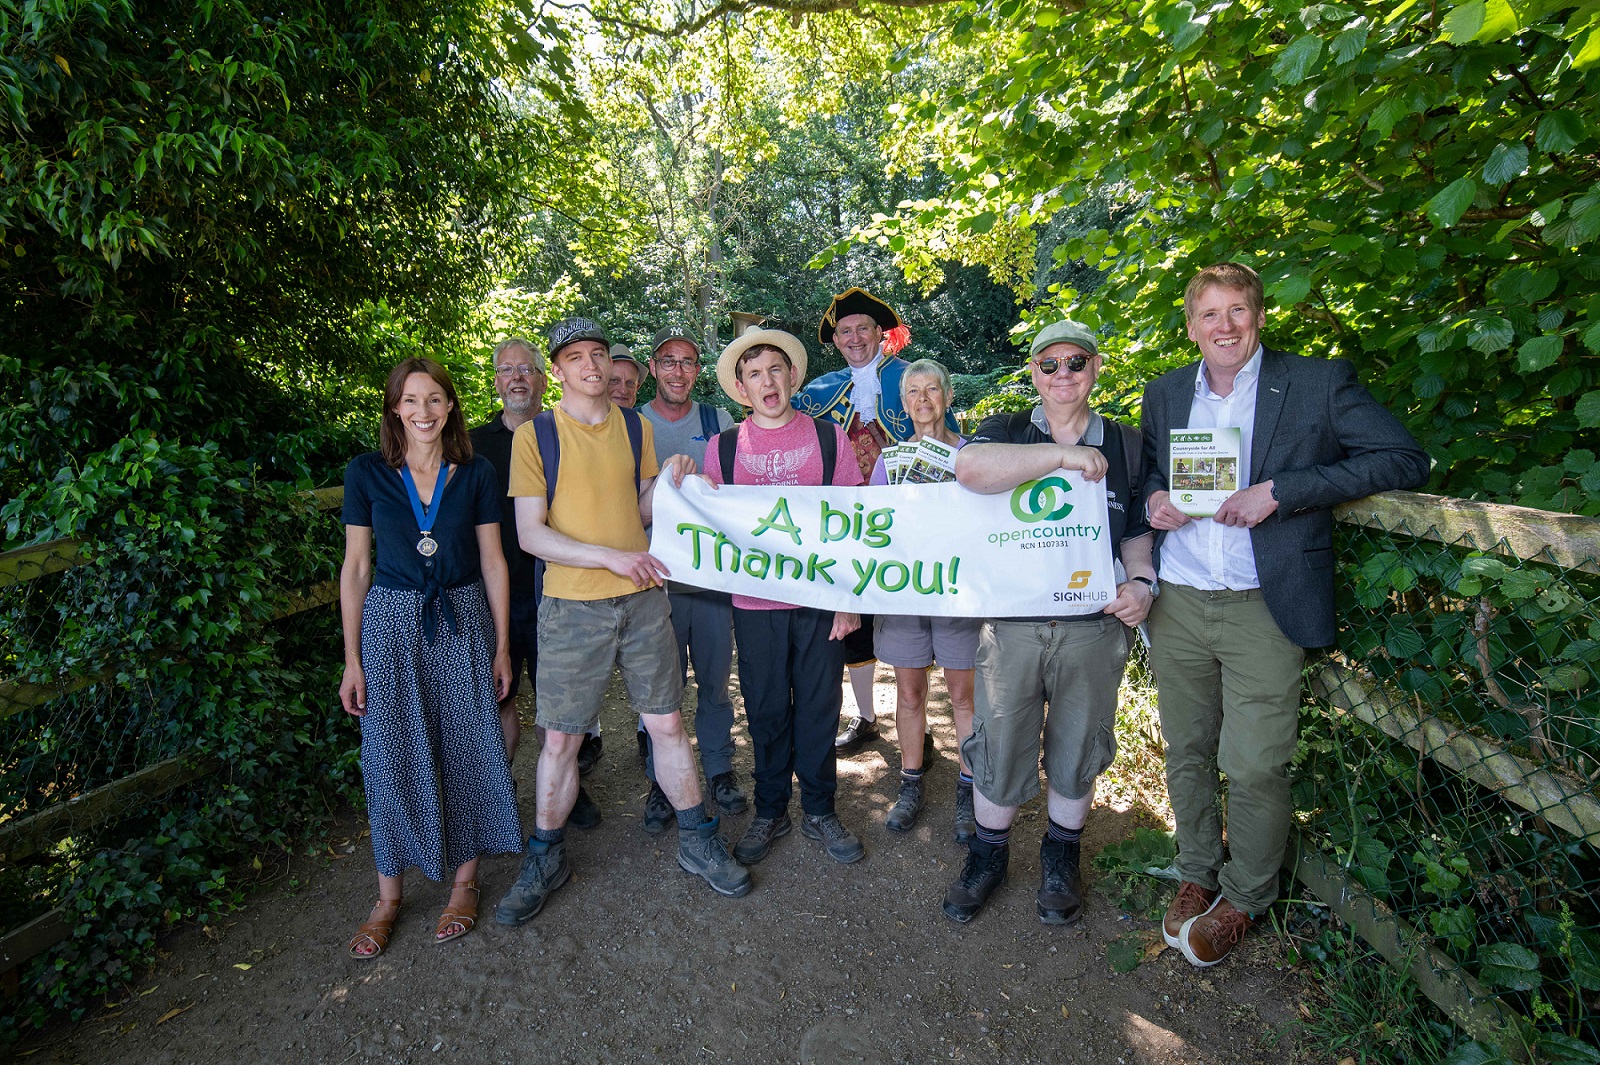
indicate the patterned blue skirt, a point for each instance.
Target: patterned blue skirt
{"x":433,"y":759}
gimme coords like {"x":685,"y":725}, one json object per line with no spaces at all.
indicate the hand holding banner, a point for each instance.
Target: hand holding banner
{"x":1040,"y":550}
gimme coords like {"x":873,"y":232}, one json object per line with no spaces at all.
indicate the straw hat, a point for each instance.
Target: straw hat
{"x":729,"y":359}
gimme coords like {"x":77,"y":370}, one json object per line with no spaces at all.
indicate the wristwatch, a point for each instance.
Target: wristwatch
{"x":1155,"y":589}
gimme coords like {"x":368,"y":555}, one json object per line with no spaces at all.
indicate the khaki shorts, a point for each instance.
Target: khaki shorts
{"x":579,"y":642}
{"x":1073,"y":666}
{"x":911,"y":642}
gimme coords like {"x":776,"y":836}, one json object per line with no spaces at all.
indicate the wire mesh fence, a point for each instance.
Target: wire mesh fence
{"x":147,"y":657}
{"x":1449,"y":760}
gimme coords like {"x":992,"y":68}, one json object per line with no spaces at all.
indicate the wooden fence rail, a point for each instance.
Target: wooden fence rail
{"x":1569,"y":541}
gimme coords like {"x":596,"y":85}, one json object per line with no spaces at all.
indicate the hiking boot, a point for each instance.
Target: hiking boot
{"x":1192,"y":901}
{"x":856,"y":734}
{"x":701,"y":851}
{"x":1059,"y":900}
{"x":544,"y":869}
{"x":658,"y":812}
{"x":589,"y":752}
{"x":903,"y":814}
{"x":965,"y":828}
{"x":841,"y":844}
{"x":757,"y":839}
{"x":726,"y":794}
{"x":585,"y":811}
{"x":979,"y":877}
{"x":1210,"y":937}
{"x":929,"y":752}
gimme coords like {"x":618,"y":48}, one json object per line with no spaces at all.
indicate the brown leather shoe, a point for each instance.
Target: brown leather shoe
{"x":1207,"y":939}
{"x":1192,"y":901}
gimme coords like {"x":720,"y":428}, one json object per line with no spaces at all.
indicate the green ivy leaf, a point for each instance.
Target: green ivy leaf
{"x":1508,"y":160}
{"x":1450,"y":203}
{"x":1295,"y":61}
{"x":1539,"y":353}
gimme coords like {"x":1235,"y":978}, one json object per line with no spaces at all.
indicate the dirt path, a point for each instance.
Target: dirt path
{"x":635,"y":961}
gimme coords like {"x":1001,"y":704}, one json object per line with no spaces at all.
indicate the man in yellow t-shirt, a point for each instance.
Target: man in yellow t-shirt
{"x":604,"y":605}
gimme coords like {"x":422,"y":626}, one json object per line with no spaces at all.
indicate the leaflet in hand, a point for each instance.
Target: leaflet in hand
{"x":931,"y":463}
{"x":1205,"y":469}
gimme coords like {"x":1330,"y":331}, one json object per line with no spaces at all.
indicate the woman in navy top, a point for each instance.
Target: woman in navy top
{"x":425,"y":652}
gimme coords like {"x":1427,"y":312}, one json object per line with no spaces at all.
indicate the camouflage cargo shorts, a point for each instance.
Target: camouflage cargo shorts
{"x":580,"y":641}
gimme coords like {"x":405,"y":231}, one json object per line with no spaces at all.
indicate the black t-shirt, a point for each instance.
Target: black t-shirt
{"x":375,"y":496}
{"x":1124,"y":499}
{"x":492,"y":440}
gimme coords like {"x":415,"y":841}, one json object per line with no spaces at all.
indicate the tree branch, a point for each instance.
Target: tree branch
{"x":785,"y":7}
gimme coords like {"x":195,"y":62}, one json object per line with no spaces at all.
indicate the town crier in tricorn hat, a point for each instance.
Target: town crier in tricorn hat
{"x":864,"y":397}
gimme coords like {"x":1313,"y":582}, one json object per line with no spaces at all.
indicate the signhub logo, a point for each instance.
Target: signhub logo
{"x":1041,"y":500}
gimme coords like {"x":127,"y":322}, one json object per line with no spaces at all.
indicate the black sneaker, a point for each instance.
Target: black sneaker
{"x":965,"y":829}
{"x":856,"y":734}
{"x":1059,"y":901}
{"x":658,"y":812}
{"x":585,"y":811}
{"x":589,"y":752}
{"x":929,"y":751}
{"x":903,"y":814}
{"x":757,"y":839}
{"x":841,"y":844}
{"x":726,"y":794}
{"x":979,"y":877}
{"x":544,"y":869}
{"x":702,"y":852}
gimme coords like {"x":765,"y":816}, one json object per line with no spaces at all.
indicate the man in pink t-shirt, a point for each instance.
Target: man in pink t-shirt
{"x":789,"y":656}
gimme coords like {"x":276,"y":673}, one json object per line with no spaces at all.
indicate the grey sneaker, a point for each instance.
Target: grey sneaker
{"x":658,"y":812}
{"x":702,"y":852}
{"x":841,"y":844}
{"x":544,"y":869}
{"x":903,"y":814}
{"x":726,"y":794}
{"x":965,"y":828}
{"x":757,"y":839}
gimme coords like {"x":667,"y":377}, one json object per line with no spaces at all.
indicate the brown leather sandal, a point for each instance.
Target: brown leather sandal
{"x":459,"y":912}
{"x":376,"y":931}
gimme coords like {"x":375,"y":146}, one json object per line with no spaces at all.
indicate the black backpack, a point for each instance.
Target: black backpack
{"x":728,"y":446}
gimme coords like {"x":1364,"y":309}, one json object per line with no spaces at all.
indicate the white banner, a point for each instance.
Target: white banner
{"x":1040,"y":550}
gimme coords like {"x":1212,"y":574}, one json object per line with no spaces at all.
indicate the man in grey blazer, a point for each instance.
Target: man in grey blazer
{"x":1247,"y":590}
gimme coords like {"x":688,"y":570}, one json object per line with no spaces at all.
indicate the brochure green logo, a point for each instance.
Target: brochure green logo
{"x":1041,"y":500}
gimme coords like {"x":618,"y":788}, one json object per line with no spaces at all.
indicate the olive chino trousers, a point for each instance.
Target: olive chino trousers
{"x":1228,"y":693}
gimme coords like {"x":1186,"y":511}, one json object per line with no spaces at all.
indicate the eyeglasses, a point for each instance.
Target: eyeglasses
{"x":523,"y":370}
{"x":1073,"y":365}
{"x":686,"y":365}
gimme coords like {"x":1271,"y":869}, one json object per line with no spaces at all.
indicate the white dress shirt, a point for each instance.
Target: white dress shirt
{"x":1203,"y":553}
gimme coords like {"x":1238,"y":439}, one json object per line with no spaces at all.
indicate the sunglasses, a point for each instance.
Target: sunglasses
{"x":1073,"y":365}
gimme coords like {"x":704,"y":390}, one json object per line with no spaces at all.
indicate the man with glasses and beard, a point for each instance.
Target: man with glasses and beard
{"x":702,"y":620}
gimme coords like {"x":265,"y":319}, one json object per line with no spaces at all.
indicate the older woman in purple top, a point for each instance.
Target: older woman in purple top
{"x":913,"y":644}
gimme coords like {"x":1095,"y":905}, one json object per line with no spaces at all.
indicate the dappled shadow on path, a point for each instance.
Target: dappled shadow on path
{"x":635,"y":961}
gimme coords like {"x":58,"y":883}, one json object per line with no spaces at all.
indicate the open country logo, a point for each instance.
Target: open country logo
{"x":1046,"y":499}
